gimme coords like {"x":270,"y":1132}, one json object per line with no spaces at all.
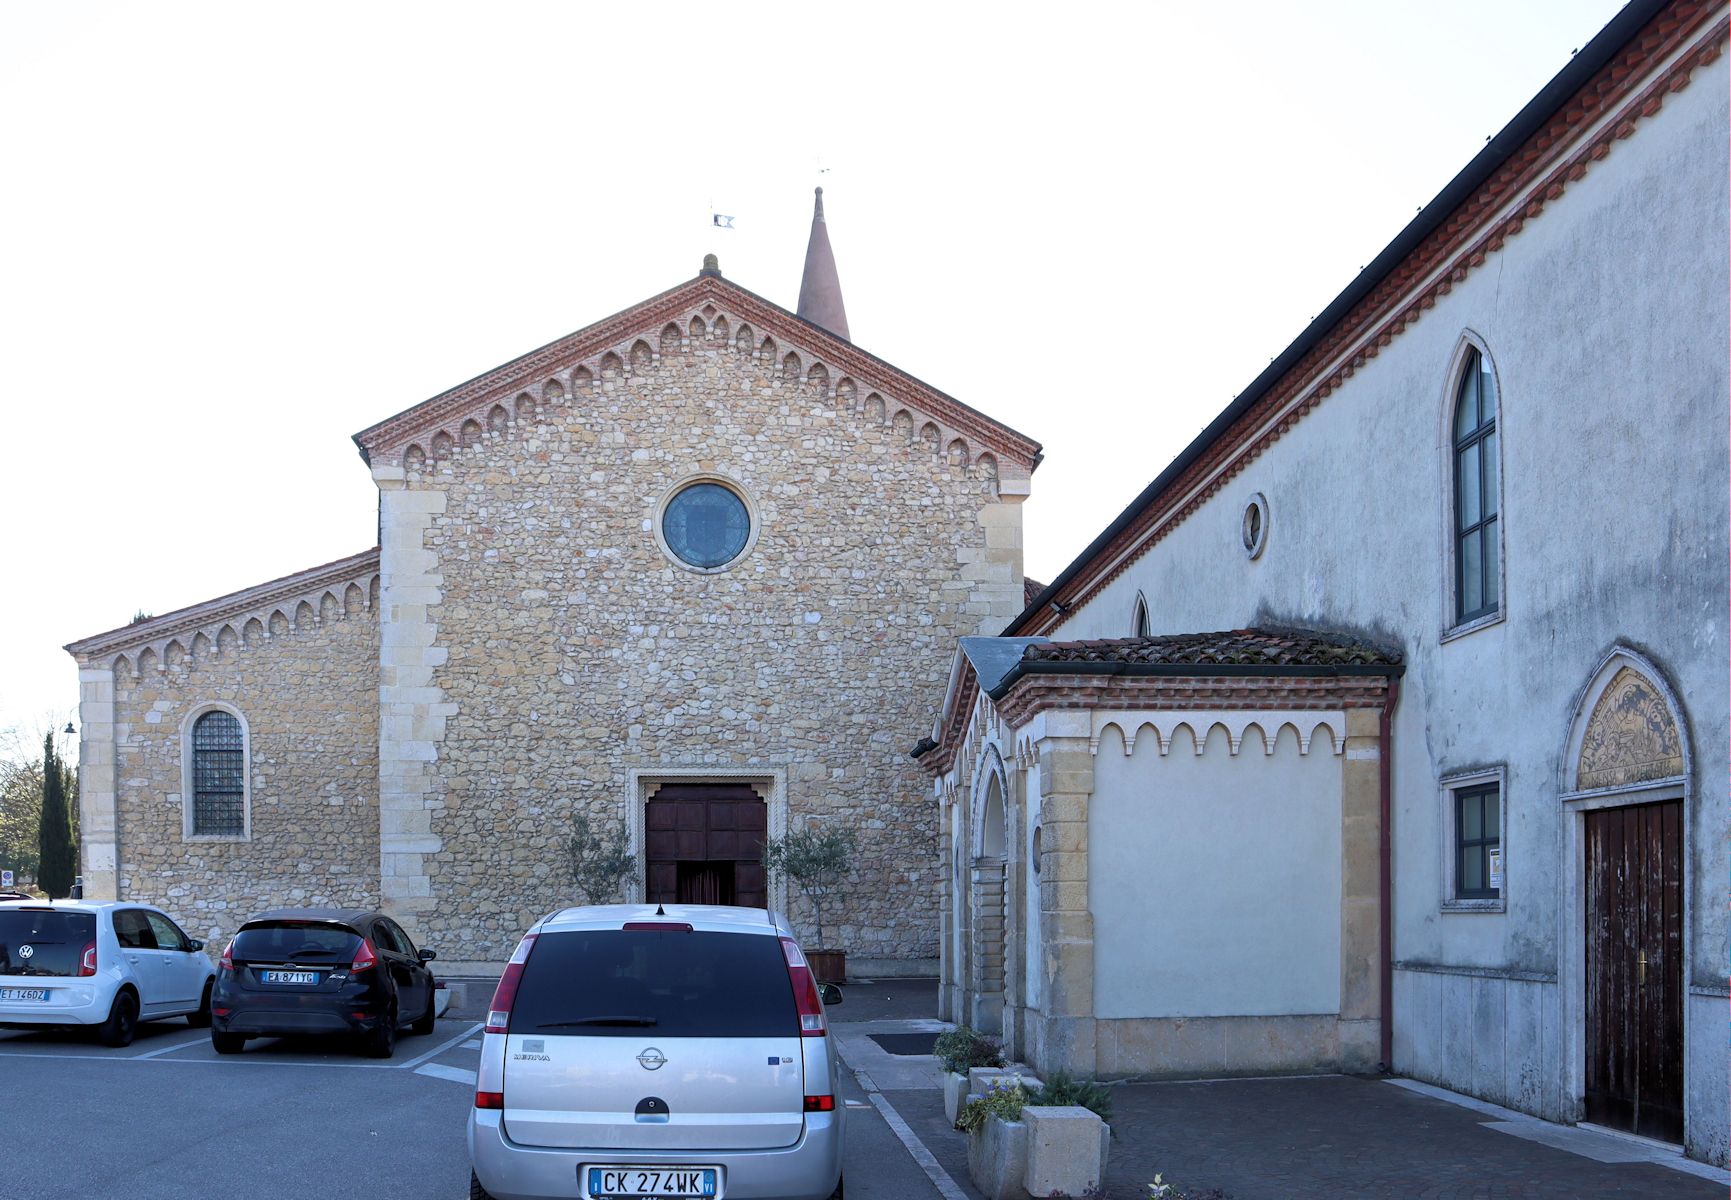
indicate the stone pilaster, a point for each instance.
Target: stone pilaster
{"x":98,"y":827}
{"x":412,"y":708}
{"x":1066,"y":922}
{"x":1015,"y":913}
{"x":993,"y":573}
{"x":986,"y":877}
{"x":1360,"y":888}
{"x":948,"y":991}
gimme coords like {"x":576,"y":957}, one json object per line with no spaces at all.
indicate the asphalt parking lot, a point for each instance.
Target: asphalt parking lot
{"x":167,"y":1117}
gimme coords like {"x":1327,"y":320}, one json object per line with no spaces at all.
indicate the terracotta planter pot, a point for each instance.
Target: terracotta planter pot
{"x":830,"y":966}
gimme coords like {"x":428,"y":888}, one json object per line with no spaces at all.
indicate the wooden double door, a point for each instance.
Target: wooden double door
{"x":703,"y":844}
{"x":1634,"y":893}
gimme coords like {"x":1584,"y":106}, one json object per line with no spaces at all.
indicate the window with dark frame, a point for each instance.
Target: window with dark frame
{"x":1477,"y":489}
{"x":218,"y":776}
{"x":1478,"y":840}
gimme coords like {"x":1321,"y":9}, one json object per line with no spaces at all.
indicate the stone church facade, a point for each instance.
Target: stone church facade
{"x":547,"y":627}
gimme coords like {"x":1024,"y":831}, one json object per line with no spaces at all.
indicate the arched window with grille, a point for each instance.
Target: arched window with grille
{"x":216,"y":797}
{"x":1477,"y":493}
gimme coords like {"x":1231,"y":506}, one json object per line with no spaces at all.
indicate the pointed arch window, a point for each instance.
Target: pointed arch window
{"x":1477,"y":493}
{"x":1139,"y":618}
{"x":218,"y":776}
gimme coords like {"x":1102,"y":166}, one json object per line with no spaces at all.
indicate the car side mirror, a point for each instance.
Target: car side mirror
{"x":428,"y":955}
{"x":193,"y":945}
{"x":829,"y":993}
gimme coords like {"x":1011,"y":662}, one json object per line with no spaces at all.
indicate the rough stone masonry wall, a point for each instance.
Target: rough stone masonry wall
{"x":569,"y":650}
{"x":309,"y":696}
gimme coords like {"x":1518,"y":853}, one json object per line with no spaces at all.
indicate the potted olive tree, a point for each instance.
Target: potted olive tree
{"x":818,"y":864}
{"x":599,"y":863}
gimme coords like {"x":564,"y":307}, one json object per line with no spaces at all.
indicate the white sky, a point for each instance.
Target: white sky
{"x":235,"y":234}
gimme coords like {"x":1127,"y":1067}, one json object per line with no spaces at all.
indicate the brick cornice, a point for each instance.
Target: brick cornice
{"x":234,"y":610}
{"x":1632,"y":87}
{"x":386,"y":441}
{"x":939,"y":759}
{"x":1035,"y":694}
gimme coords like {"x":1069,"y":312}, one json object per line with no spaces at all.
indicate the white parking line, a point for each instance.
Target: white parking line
{"x":454,"y":1074}
{"x":440,"y":1048}
{"x":171,"y":1049}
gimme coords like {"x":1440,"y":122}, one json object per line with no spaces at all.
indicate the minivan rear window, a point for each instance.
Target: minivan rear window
{"x":629,"y":983}
{"x":287,"y":941}
{"x":41,"y":941}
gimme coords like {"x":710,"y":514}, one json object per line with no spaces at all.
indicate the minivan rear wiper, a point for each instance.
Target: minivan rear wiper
{"x":640,"y":1021}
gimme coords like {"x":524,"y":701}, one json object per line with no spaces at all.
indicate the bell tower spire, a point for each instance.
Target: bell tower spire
{"x":820,"y":289}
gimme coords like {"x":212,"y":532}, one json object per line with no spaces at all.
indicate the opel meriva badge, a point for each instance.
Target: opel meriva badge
{"x":652,"y":1059}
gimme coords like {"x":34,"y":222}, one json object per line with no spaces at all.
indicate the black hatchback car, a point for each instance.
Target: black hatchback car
{"x":321,"y":970}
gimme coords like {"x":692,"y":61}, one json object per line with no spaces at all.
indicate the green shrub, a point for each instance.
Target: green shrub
{"x":1002,"y":1100}
{"x":962,"y":1048}
{"x":1062,"y":1089}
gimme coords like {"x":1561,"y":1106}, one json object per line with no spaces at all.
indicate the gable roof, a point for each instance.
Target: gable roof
{"x":1620,"y":78}
{"x":553,"y":372}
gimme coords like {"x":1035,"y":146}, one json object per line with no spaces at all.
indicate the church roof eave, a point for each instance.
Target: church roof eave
{"x":195,"y":618}
{"x":1530,"y":132}
{"x":646,"y":319}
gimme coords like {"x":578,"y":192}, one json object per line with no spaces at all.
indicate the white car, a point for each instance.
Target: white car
{"x":71,"y":962}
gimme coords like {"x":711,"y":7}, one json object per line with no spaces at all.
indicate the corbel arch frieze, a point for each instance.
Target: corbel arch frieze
{"x":233,"y":624}
{"x":528,"y":391}
{"x":1264,"y":726}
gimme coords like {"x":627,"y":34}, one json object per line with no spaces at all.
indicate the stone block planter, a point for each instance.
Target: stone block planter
{"x":1065,"y":1150}
{"x":998,"y":1159}
{"x":980,"y":1079}
{"x":955,"y":1092}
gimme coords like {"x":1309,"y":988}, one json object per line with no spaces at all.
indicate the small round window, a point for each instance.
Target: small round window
{"x":1255,"y":530}
{"x":706,"y":525}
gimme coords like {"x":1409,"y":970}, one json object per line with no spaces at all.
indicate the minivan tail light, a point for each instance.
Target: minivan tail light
{"x":505,"y":995}
{"x":87,"y":960}
{"x":812,"y":1022}
{"x":489,"y":1099}
{"x":226,"y":962}
{"x":820,"y":1104}
{"x":365,"y":958}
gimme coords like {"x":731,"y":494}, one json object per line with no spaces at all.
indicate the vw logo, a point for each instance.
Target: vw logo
{"x":652,"y":1059}
{"x":26,"y":951}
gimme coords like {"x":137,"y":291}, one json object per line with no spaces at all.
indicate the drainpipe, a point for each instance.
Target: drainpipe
{"x":1385,"y":895}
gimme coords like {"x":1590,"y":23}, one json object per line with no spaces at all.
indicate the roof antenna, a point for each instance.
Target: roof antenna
{"x":659,"y":911}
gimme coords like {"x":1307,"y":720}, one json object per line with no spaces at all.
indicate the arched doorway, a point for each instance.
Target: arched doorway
{"x":1626,"y":819}
{"x":990,"y":914}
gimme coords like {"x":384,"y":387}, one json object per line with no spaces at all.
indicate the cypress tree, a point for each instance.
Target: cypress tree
{"x":58,"y":858}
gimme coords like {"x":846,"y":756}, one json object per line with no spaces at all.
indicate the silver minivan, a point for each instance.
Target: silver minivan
{"x":651,"y":1051}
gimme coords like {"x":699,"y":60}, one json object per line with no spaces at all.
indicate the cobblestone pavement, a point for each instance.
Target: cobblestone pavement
{"x":1297,"y":1139}
{"x":1340,"y":1136}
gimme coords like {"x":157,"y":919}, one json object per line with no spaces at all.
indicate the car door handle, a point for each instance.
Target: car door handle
{"x":132,"y":958}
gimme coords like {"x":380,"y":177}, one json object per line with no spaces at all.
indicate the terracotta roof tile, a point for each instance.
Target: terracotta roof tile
{"x":1237,"y":647}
